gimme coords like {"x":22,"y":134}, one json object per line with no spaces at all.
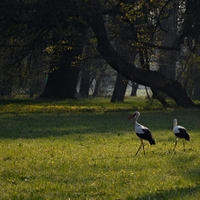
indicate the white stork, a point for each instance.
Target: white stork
{"x":141,"y":131}
{"x":180,"y":132}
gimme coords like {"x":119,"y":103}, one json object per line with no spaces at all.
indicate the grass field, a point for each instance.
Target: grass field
{"x":85,"y":150}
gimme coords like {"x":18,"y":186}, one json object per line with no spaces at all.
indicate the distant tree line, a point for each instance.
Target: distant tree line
{"x":52,"y":46}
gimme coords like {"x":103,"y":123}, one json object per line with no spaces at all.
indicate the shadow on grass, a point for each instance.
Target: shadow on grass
{"x":38,"y":125}
{"x":45,"y":125}
{"x":181,"y":193}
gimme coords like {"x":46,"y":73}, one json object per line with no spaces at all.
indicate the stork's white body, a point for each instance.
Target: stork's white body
{"x":139,"y":128}
{"x":178,"y":129}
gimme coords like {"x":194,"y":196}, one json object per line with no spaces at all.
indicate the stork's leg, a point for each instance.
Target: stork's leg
{"x":143,"y":146}
{"x":175,"y":144}
{"x":183,"y":145}
{"x":139,"y":148}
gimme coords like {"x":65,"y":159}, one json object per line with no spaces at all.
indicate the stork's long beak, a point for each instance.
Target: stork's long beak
{"x":132,"y":116}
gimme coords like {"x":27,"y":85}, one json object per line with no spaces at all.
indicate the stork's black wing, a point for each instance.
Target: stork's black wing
{"x":147,"y":136}
{"x":182,"y":134}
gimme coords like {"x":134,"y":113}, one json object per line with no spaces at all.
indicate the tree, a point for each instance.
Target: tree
{"x":60,"y":26}
{"x":121,"y":35}
{"x":89,"y":66}
{"x":120,"y":88}
{"x":22,"y":40}
{"x":64,"y":70}
{"x":37,"y":26}
{"x":134,"y":87}
{"x":188,"y":73}
{"x":85,"y":83}
{"x":152,"y":79}
{"x":66,"y":49}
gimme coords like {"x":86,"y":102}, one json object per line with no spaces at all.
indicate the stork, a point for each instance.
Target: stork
{"x":141,"y":131}
{"x":180,"y":132}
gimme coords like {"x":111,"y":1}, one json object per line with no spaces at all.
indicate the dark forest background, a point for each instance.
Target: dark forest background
{"x":58,"y":49}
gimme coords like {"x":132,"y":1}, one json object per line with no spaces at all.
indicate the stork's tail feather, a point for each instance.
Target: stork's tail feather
{"x":187,"y":137}
{"x":152,"y":141}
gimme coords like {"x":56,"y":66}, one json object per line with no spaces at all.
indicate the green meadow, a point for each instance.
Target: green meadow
{"x":85,"y":149}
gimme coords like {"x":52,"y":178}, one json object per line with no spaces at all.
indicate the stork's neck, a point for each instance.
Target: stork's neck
{"x":174,"y":123}
{"x":135,"y":120}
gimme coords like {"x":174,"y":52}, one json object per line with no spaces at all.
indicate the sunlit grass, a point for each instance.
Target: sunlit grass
{"x":81,"y":105}
{"x":90,"y":155}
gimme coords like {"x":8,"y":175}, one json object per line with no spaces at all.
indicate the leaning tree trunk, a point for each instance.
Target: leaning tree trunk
{"x":144,"y":77}
{"x":145,"y":65}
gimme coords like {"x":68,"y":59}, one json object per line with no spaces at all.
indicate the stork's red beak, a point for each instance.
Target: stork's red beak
{"x":131,"y":116}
